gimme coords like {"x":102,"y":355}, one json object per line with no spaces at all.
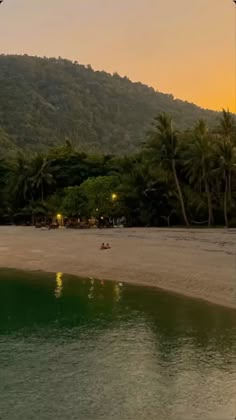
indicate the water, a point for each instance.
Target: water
{"x":82,"y":349}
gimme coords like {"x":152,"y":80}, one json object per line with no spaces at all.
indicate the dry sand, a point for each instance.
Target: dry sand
{"x":196,"y":263}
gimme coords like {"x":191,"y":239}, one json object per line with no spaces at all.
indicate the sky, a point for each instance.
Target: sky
{"x":184,"y":47}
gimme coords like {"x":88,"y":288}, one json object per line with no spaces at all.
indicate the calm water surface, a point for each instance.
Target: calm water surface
{"x":82,"y":349}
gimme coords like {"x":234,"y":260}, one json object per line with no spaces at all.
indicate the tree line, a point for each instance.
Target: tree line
{"x":177,"y":177}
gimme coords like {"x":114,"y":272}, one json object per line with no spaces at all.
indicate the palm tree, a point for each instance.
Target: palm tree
{"x":20,"y":184}
{"x":226,"y":154}
{"x":226,"y":125}
{"x":199,"y":162}
{"x":227,"y":132}
{"x":19,"y":188}
{"x":164,"y":144}
{"x":42,"y":176}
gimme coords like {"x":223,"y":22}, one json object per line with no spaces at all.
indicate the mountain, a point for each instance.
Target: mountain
{"x":45,"y":101}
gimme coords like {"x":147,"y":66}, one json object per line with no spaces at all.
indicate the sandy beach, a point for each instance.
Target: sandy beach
{"x":196,"y":263}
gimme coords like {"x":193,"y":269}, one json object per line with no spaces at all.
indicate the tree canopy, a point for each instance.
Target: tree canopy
{"x":176,"y":178}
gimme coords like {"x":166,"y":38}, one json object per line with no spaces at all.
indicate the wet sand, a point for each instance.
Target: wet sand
{"x":196,"y":263}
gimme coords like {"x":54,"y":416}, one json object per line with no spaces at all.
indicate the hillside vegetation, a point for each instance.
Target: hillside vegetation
{"x":176,"y":177}
{"x":44,"y":102}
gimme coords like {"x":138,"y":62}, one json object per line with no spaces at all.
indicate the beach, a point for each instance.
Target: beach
{"x":199,"y":263}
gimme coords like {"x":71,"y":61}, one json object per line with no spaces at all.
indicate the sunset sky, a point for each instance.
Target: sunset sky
{"x":184,"y":47}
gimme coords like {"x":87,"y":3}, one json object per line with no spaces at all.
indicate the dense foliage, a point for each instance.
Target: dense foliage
{"x":44,"y":101}
{"x":177,"y":177}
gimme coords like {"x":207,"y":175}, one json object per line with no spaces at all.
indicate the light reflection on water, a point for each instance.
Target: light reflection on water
{"x":59,"y":285}
{"x":86,"y":349}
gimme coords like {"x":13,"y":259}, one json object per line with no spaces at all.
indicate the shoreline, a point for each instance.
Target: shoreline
{"x":195,"y":264}
{"x":150,"y":286}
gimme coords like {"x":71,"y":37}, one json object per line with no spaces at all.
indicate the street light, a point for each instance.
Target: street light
{"x":114,"y":195}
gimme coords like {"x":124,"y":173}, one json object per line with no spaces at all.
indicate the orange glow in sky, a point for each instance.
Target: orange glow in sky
{"x":184,"y":47}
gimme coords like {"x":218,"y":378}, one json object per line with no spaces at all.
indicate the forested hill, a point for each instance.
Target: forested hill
{"x":44,"y":101}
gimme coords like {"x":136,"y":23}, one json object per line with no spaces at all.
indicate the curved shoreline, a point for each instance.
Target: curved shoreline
{"x":193,"y":263}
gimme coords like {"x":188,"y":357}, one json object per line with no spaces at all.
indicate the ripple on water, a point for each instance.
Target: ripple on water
{"x":75,"y":348}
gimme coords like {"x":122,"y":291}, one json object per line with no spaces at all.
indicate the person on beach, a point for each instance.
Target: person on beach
{"x":107,"y":246}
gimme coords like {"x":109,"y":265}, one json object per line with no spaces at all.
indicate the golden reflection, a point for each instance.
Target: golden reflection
{"x":91,"y":289}
{"x":59,"y":285}
{"x":117,"y":291}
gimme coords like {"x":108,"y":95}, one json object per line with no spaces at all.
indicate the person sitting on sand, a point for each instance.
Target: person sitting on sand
{"x":108,"y":246}
{"x":103,"y":246}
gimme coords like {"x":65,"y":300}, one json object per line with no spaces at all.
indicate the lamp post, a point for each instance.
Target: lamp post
{"x":114,"y":195}
{"x":114,"y":198}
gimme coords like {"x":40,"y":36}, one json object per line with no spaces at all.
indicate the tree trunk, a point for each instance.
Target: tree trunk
{"x":179,"y":193}
{"x":32,"y":210}
{"x":168,"y":220}
{"x":42,"y":193}
{"x":226,"y":202}
{"x":209,"y":201}
{"x":229,"y":189}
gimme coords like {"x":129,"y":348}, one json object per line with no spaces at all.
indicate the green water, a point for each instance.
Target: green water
{"x":82,"y":349}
